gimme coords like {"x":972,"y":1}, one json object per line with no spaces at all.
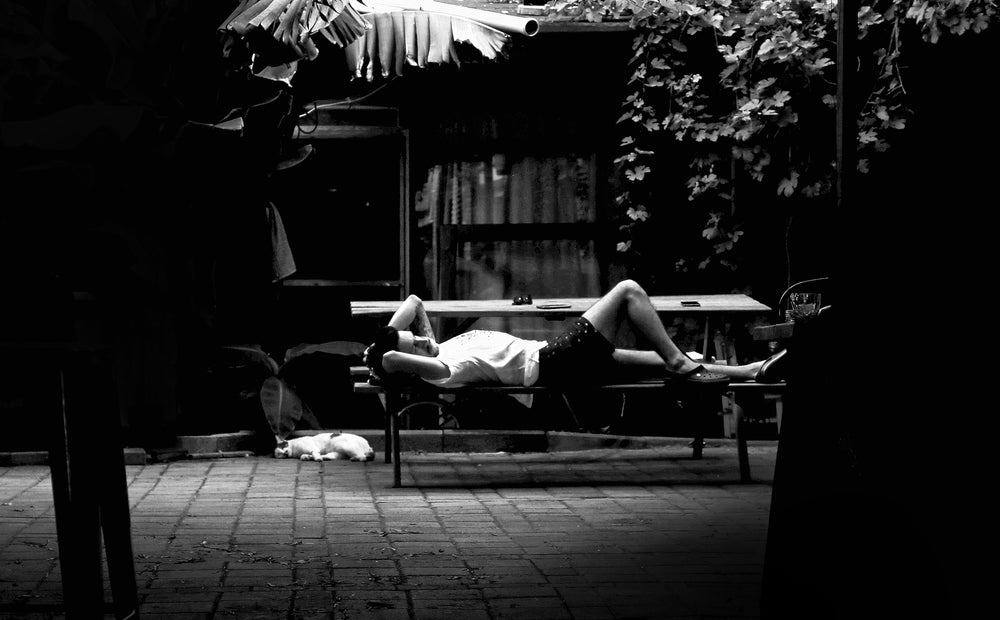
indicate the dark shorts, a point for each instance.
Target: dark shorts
{"x":580,"y":356}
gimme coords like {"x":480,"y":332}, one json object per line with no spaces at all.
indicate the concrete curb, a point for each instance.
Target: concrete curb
{"x":247,"y":443}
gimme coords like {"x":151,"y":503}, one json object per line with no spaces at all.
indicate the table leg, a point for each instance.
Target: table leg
{"x":74,"y":479}
{"x":116,"y":523}
{"x":741,"y":444}
{"x":708,"y":337}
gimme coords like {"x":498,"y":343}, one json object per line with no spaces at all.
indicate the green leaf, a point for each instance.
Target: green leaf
{"x":639,"y":214}
{"x":781,"y":98}
{"x":282,"y":407}
{"x":252,"y":353}
{"x":637,"y":174}
{"x":787,"y":186}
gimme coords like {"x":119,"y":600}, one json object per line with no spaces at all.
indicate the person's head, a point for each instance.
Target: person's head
{"x":392,"y":339}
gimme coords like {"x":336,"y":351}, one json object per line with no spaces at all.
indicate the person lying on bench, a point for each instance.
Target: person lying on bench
{"x":582,"y":355}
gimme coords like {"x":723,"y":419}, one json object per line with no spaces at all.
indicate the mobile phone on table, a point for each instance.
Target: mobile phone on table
{"x":690,"y":304}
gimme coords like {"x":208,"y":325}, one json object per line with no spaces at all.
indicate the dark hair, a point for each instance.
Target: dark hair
{"x":386,"y":339}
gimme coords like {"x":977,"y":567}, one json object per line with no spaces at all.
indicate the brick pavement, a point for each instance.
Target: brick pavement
{"x":602,"y":534}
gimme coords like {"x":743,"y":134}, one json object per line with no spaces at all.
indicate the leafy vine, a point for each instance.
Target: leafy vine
{"x":746,"y":89}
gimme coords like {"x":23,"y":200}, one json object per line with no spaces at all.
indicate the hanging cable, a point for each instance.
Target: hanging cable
{"x":348,"y":101}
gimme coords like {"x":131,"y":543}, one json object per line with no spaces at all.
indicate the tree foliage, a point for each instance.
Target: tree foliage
{"x":746,"y":89}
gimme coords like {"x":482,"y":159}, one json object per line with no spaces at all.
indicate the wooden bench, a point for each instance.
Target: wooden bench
{"x":706,"y":403}
{"x":704,"y":307}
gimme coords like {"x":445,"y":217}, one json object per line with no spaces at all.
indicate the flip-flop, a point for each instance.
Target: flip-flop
{"x":697,"y":375}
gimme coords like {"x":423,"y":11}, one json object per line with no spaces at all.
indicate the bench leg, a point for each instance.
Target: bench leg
{"x":697,"y":447}
{"x":569,"y":408}
{"x":393,"y":407}
{"x":388,"y":428}
{"x":705,"y":403}
{"x":701,"y":402}
{"x":388,"y":437}
{"x":396,"y":464}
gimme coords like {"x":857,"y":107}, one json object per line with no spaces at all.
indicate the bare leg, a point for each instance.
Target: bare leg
{"x":627,"y":301}
{"x":652,"y":359}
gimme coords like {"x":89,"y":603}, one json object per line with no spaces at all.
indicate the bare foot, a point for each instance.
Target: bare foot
{"x":682,"y":366}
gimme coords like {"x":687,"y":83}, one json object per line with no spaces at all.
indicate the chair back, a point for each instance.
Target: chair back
{"x":818,"y":286}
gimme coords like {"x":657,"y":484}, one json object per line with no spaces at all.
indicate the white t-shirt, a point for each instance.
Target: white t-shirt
{"x":483,"y":356}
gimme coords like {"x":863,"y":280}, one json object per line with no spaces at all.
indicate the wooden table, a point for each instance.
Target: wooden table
{"x":89,"y":487}
{"x":709,"y":306}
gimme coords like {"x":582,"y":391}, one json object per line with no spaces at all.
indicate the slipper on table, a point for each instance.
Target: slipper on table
{"x":698,"y":376}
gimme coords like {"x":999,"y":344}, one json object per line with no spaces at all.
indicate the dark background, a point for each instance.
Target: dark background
{"x":107,"y":188}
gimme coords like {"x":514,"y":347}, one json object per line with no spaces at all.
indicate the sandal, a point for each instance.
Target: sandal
{"x":697,"y":375}
{"x":773,"y":368}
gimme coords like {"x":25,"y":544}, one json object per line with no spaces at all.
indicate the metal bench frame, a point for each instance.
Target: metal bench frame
{"x":393,"y":399}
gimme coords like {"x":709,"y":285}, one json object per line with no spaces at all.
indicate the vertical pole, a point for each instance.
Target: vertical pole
{"x":847,"y":110}
{"x":405,"y":223}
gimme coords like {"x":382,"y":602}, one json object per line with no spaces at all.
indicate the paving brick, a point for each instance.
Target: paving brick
{"x":630,"y":531}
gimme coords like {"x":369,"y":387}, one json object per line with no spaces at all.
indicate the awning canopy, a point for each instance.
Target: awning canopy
{"x":379,"y":37}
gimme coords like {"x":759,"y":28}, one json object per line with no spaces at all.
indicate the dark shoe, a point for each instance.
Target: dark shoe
{"x":698,"y":375}
{"x":773,"y":369}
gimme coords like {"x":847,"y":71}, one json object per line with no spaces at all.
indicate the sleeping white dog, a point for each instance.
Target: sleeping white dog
{"x":325,"y":447}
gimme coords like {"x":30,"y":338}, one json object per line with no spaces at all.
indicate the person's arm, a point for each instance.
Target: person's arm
{"x":407,"y":363}
{"x":411,"y":316}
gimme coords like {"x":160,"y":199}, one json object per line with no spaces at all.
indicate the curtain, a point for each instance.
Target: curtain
{"x":524,"y":190}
